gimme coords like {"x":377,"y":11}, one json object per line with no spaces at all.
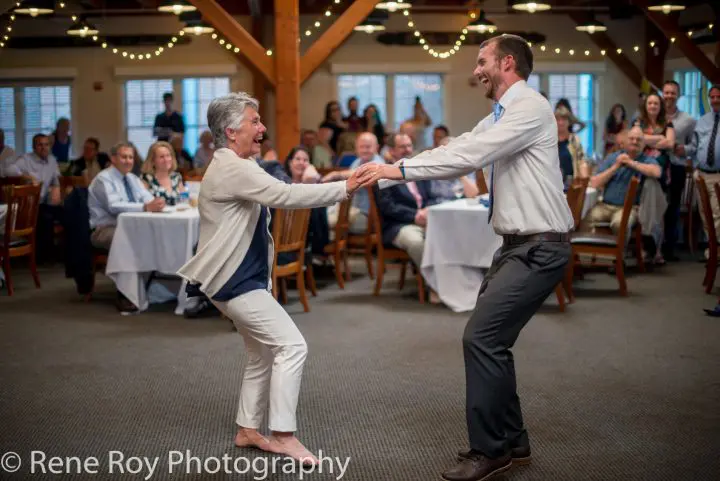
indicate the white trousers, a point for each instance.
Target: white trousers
{"x":411,"y":238}
{"x":276,"y":353}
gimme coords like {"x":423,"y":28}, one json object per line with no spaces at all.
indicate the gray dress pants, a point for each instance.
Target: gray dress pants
{"x":519,"y":280}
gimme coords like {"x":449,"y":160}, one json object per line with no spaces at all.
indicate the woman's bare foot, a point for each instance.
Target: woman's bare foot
{"x":251,"y":438}
{"x":289,"y":445}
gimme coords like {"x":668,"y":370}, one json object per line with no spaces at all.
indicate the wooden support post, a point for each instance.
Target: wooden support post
{"x":287,"y":68}
{"x":604,"y":42}
{"x":228,"y":27}
{"x":655,"y":54}
{"x":671,"y":29}
{"x":334,"y":36}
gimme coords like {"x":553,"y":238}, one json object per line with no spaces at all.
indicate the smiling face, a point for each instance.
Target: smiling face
{"x":670,"y":95}
{"x":652,"y":104}
{"x":488,"y":70}
{"x":715,"y":99}
{"x":163,"y":160}
{"x":298,"y":163}
{"x":635,"y":142}
{"x":245,"y":140}
{"x":563,"y":124}
{"x":124,"y":160}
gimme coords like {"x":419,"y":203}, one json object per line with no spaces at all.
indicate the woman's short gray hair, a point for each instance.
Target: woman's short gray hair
{"x":227,"y":112}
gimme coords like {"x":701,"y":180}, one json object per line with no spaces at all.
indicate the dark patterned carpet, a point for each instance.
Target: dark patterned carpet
{"x":613,"y":389}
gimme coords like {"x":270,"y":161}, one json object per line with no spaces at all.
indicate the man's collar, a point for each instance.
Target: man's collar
{"x":511,"y":93}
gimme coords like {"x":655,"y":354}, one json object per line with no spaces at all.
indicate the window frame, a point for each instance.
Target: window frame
{"x":19,"y":106}
{"x":178,"y":98}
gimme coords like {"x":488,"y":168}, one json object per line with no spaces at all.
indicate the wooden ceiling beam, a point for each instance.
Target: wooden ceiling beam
{"x":334,"y":36}
{"x":604,"y":42}
{"x":670,"y":28}
{"x":250,"y":49}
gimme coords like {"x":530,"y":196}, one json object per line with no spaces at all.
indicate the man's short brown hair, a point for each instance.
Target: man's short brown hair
{"x":515,"y":46}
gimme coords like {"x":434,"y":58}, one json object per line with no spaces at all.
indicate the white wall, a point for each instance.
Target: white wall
{"x":100,"y":113}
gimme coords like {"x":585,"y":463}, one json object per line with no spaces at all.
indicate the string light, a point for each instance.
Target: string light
{"x":315,"y":25}
{"x":141,"y":56}
{"x":426,"y":46}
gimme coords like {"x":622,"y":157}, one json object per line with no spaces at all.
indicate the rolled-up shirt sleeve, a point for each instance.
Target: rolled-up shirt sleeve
{"x":520,"y":127}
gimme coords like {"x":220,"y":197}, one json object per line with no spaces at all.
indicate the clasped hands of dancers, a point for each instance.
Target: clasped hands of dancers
{"x":234,"y":258}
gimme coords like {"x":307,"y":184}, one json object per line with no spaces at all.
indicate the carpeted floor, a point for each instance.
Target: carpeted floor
{"x":613,"y":389}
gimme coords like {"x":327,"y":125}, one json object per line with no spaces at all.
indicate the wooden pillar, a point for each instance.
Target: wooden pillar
{"x":287,"y":75}
{"x":655,"y":55}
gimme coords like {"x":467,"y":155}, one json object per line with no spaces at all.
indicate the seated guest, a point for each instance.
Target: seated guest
{"x":322,"y":154}
{"x":298,"y":167}
{"x":300,"y":171}
{"x":7,"y":155}
{"x":570,"y":150}
{"x":113,"y":191}
{"x":440,"y":133}
{"x":366,"y":149}
{"x":403,"y":207}
{"x":182,"y":156}
{"x":41,"y":165}
{"x":267,"y":152}
{"x":160,"y":175}
{"x":91,"y":162}
{"x":204,"y":153}
{"x":615,"y":175}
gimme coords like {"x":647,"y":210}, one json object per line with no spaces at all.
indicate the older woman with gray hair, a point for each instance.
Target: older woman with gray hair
{"x":233,"y":266}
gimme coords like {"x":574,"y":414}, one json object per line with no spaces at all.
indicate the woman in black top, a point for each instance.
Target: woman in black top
{"x":334,"y":121}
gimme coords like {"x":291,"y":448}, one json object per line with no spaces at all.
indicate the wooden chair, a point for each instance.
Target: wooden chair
{"x":99,"y":259}
{"x":289,"y":233}
{"x":576,"y":199}
{"x":609,"y":245}
{"x":688,"y":211}
{"x":706,"y":207}
{"x":390,"y":253}
{"x":338,"y":250}
{"x":480,"y":182}
{"x":14,"y":180}
{"x":68,"y":183}
{"x":364,"y":244}
{"x":23,"y":203}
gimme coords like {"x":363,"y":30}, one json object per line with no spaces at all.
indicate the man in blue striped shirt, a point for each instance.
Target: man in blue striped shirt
{"x":704,"y":149}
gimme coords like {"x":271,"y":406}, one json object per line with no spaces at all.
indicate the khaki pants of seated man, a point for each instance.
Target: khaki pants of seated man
{"x":710,"y":181}
{"x":607,"y":213}
{"x":411,"y":238}
{"x":102,"y":236}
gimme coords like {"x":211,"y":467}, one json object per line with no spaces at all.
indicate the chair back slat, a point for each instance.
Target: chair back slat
{"x":290,"y":229}
{"x":573,"y":199}
{"x":342,"y":227}
{"x":704,"y":196}
{"x":23,"y":203}
{"x":68,"y":183}
{"x":14,"y":180}
{"x":480,"y":182}
{"x":630,"y":197}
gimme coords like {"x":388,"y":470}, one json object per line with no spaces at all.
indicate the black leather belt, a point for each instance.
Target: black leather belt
{"x":515,"y":239}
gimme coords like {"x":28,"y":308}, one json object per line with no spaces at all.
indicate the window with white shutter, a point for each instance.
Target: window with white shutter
{"x":7,"y":115}
{"x":197,"y":93}
{"x":143,"y":101}
{"x":578,"y":89}
{"x":42,"y":107}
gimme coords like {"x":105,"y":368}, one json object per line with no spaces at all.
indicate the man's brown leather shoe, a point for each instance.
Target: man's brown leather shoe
{"x":478,"y":468}
{"x":521,"y":455}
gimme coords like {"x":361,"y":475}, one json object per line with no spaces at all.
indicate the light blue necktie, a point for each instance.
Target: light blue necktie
{"x":497,"y":112}
{"x":128,"y":189}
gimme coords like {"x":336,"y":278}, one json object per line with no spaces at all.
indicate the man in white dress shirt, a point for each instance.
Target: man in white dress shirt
{"x":528,"y":209}
{"x":113,"y":191}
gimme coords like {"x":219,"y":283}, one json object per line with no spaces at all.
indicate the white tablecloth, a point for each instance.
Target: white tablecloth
{"x":147,"y":242}
{"x":459,"y":248}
